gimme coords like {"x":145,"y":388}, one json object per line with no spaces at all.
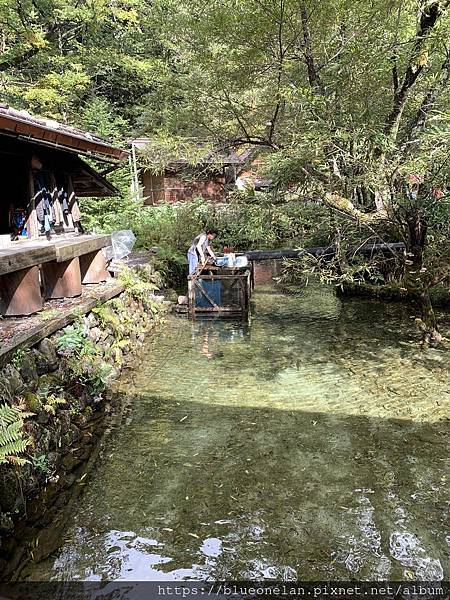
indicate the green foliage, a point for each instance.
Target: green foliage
{"x":40,"y":463}
{"x":73,"y":340}
{"x":93,"y":374}
{"x":87,"y":63}
{"x":139,"y":289}
{"x":84,"y":362}
{"x":19,"y":356}
{"x":351,"y":99}
{"x":52,"y":402}
{"x":248,"y":221}
{"x":165,"y":149}
{"x":12,"y":440}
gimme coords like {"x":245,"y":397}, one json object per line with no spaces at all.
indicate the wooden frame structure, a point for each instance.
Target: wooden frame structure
{"x":43,"y":174}
{"x":32,"y":272}
{"x":231,"y":294}
{"x":44,"y":253}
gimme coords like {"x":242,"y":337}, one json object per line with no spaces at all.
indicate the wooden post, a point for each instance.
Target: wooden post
{"x":32,"y":222}
{"x":62,"y":279}
{"x":20,"y":292}
{"x":191,"y":297}
{"x":93,"y":267}
{"x":70,"y":197}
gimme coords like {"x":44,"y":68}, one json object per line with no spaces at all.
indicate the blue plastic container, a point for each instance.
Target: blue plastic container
{"x":221,"y":261}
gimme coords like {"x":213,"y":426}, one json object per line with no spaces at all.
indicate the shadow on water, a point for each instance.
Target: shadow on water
{"x":309,"y":445}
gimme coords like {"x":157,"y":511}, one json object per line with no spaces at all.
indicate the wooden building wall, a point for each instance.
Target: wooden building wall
{"x":173,"y":187}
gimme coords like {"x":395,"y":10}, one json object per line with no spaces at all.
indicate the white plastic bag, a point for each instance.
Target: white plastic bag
{"x":122,"y":243}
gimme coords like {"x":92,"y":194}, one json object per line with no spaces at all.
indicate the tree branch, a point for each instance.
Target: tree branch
{"x":428,"y":18}
{"x":313,"y":74}
{"x":16,"y":61}
{"x":429,"y":100}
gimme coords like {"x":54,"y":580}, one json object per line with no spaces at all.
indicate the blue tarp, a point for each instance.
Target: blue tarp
{"x":214,"y":291}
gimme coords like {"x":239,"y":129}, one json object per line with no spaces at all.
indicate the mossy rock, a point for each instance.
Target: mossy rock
{"x":11,"y":383}
{"x":32,"y":401}
{"x":48,"y":382}
{"x":28,"y":372}
{"x":10,"y":490}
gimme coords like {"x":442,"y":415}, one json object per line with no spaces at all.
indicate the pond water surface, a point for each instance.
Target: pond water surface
{"x":310,"y":444}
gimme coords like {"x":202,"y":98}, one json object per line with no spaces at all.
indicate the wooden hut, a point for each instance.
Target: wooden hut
{"x":42,"y":254}
{"x":210,"y":179}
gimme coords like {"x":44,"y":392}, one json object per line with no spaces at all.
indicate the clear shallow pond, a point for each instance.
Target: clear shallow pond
{"x":312,"y":444}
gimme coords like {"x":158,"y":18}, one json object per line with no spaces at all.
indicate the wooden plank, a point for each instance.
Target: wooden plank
{"x":34,"y":335}
{"x":219,"y":277}
{"x":365,"y":249}
{"x":191,"y":296}
{"x":16,"y":259}
{"x":71,"y":248}
{"x":220,"y":309}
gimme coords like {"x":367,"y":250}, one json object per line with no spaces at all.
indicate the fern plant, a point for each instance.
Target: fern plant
{"x":52,"y":402}
{"x":12,"y":440}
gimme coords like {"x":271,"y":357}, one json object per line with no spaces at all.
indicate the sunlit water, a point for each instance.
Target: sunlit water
{"x":310,"y":444}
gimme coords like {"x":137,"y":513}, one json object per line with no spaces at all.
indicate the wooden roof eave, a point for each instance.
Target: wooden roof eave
{"x":60,"y":138}
{"x":90,"y":175}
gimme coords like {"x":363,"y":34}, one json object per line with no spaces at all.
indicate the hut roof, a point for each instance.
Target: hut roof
{"x":48,"y":132}
{"x":214,"y":156}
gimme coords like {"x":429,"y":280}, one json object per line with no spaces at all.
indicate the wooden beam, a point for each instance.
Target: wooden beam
{"x":366,"y":249}
{"x":15,"y":259}
{"x":44,"y":328}
{"x":83,"y":244}
{"x":191,"y":297}
{"x":20,"y":292}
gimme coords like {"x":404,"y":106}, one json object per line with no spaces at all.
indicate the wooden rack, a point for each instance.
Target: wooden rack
{"x":221,"y":291}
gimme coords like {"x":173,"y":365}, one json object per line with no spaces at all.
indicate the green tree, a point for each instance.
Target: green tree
{"x":351,"y":97}
{"x":78,"y":60}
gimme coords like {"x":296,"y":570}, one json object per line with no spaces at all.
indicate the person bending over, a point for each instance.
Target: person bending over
{"x":198,"y":249}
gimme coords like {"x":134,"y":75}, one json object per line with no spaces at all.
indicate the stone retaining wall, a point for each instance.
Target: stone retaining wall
{"x":65,"y":383}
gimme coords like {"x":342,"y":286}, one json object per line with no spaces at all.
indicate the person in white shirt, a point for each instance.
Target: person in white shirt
{"x":198,"y":249}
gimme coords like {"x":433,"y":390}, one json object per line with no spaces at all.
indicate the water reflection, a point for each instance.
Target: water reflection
{"x":312,"y":445}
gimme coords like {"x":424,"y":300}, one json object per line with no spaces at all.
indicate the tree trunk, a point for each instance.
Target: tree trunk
{"x":417,"y":235}
{"x":414,"y":279}
{"x":427,"y":323}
